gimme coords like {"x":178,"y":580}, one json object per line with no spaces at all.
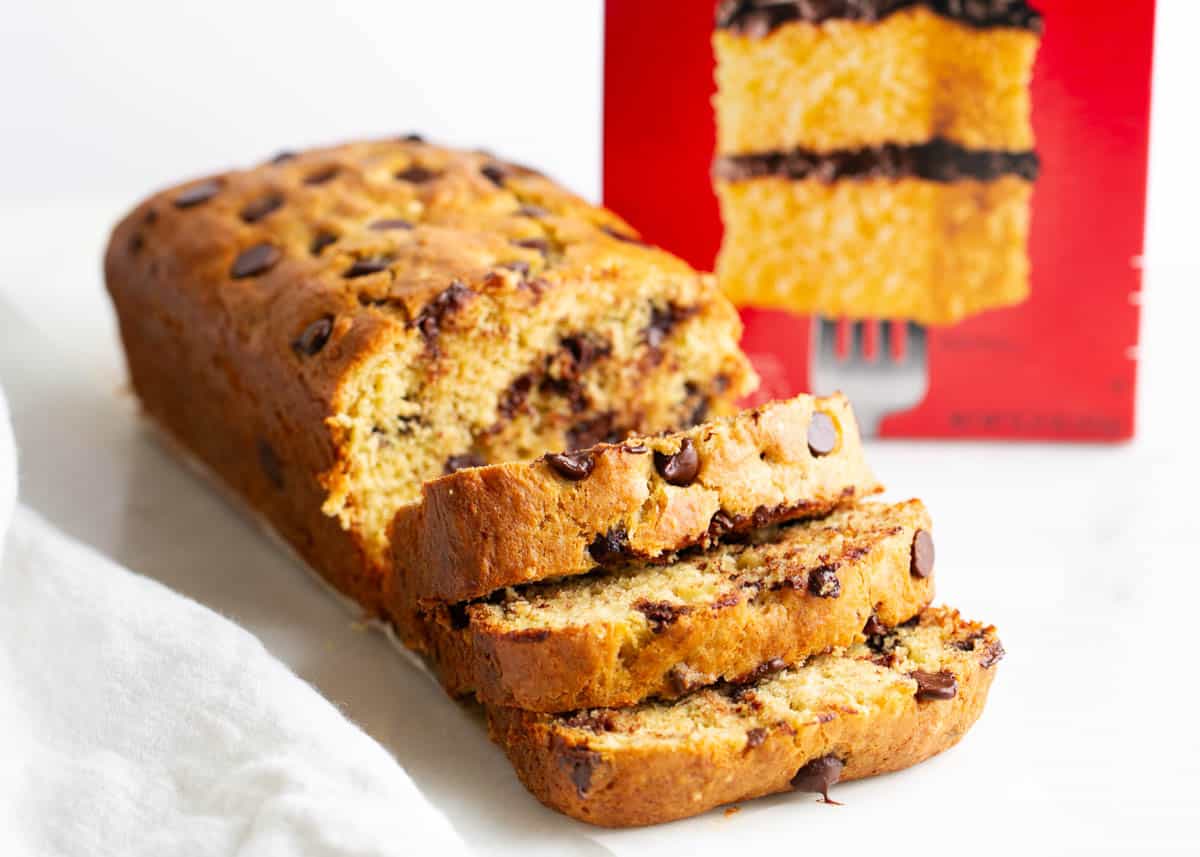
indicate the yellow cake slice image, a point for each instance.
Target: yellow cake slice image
{"x":875,"y":157}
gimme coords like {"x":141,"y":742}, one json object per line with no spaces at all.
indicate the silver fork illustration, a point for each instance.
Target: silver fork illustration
{"x":889,"y":378}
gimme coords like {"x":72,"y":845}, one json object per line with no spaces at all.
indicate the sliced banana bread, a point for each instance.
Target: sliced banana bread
{"x":327,"y":330}
{"x":481,"y":529}
{"x":881,"y":705}
{"x":619,"y":636}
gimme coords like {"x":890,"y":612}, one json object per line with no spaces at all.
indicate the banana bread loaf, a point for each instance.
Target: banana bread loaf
{"x":330,"y":329}
{"x":881,"y":705}
{"x":481,"y":529}
{"x":616,"y":637}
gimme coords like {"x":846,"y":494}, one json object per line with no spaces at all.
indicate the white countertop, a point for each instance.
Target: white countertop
{"x":1086,"y":557}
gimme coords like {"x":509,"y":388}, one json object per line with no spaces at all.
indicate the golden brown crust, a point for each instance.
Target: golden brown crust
{"x":478,"y":530}
{"x":810,"y":588}
{"x":258,"y":333}
{"x":611,"y":768}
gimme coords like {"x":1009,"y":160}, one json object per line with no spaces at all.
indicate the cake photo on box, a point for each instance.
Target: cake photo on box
{"x":875,"y":157}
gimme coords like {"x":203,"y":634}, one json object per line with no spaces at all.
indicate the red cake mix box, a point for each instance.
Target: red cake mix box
{"x":935,"y":206}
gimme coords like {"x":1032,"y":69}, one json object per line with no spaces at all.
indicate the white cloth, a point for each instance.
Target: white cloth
{"x":135,"y":721}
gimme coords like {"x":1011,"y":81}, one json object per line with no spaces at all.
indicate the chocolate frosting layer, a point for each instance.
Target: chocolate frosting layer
{"x":756,"y":18}
{"x":938,"y":160}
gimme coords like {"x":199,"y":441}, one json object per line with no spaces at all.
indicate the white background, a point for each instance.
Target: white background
{"x":1087,"y":557}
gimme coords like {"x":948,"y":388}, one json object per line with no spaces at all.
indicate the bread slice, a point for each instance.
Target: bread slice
{"x":617,"y":637}
{"x":481,"y":529}
{"x":878,"y":706}
{"x":330,"y":329}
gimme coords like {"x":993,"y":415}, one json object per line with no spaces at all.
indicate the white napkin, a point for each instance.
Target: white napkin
{"x":135,"y":721}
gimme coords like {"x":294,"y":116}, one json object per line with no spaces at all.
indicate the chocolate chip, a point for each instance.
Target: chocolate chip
{"x":434,"y":314}
{"x":365,"y":267}
{"x":416,"y":174}
{"x":532,"y":211}
{"x":283,"y":157}
{"x":255,"y":260}
{"x":495,"y":173}
{"x":321,"y":176}
{"x":610,"y":546}
{"x":272,"y":467}
{"x":539,"y":244}
{"x":822,"y":434}
{"x":660,"y":614}
{"x":684,"y":679}
{"x":823,"y":582}
{"x":572,"y":466}
{"x":136,"y":243}
{"x":390,"y":223}
{"x":755,"y":737}
{"x":939,"y":685}
{"x":579,"y":762}
{"x":256,"y":210}
{"x":320,"y":241}
{"x":313,"y":338}
{"x":922,"y":554}
{"x":412,"y":138}
{"x":680,"y":468}
{"x":519,"y":265}
{"x":197,"y":194}
{"x":874,"y":628}
{"x":818,"y":775}
{"x":635,"y":449}
{"x":456,"y":463}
